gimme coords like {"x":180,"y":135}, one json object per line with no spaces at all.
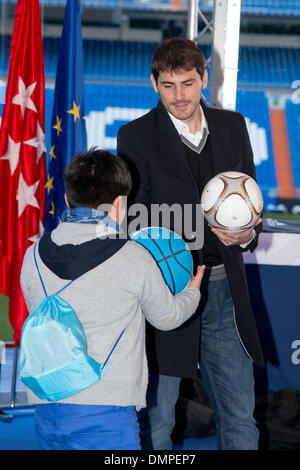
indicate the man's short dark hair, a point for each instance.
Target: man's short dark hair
{"x":177,"y":54}
{"x":96,"y":177}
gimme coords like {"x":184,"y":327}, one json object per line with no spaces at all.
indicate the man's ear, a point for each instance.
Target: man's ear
{"x":154,"y":84}
{"x":205,"y":79}
{"x":67,"y":202}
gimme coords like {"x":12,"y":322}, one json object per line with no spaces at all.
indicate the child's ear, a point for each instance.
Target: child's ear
{"x":115,"y":208}
{"x":116,"y":203}
{"x":67,"y":202}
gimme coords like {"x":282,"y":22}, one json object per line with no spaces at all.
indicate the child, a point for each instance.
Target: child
{"x":117,"y":285}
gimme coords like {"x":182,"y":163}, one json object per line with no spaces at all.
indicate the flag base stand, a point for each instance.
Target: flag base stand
{"x":5,"y":416}
{"x":12,"y":400}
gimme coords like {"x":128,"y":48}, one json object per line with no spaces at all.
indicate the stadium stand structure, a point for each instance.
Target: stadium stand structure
{"x":129,"y":61}
{"x":250,"y":7}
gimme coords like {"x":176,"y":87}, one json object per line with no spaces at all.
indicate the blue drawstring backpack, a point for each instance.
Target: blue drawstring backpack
{"x":53,"y":353}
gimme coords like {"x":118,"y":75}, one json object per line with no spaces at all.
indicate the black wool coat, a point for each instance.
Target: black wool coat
{"x":156,"y":157}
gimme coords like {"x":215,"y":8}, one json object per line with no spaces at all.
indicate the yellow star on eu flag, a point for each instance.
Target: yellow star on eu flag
{"x":49,"y":184}
{"x":58,"y":125}
{"x":51,"y":153}
{"x":74,"y":111}
{"x":52,"y":210}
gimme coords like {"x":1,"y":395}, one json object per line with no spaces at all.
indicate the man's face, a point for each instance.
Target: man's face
{"x":180,"y":92}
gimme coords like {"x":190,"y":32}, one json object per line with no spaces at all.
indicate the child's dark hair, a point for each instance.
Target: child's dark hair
{"x":96,"y":177}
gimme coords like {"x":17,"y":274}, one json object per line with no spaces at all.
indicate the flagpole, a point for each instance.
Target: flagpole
{"x":4,"y":416}
{"x":14,"y":378}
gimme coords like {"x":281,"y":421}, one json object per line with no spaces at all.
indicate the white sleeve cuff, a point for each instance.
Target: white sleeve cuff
{"x":244,"y":245}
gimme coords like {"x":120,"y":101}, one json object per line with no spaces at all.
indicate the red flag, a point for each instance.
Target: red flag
{"x":22,"y":156}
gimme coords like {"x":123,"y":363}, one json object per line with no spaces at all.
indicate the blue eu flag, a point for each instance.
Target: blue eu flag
{"x":68,"y":128}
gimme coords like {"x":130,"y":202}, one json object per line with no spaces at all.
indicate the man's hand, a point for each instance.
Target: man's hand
{"x":197,"y":279}
{"x":231,"y":238}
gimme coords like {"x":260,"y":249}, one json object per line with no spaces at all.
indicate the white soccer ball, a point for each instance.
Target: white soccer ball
{"x":232,"y":201}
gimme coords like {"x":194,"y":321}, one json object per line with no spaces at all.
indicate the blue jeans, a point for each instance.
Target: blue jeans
{"x":227,"y":373}
{"x":158,"y":419}
{"x":62,"y":426}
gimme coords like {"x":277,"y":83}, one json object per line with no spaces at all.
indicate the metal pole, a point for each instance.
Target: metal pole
{"x":14,"y":378}
{"x":4,"y":416}
{"x":226,"y":34}
{"x":192,"y":26}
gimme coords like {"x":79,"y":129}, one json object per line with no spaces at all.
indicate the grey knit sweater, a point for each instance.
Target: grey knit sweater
{"x":120,"y":292}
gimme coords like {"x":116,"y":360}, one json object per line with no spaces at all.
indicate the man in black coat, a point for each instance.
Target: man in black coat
{"x":173,"y":151}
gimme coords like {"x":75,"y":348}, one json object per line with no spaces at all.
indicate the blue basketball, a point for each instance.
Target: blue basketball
{"x":171,"y":253}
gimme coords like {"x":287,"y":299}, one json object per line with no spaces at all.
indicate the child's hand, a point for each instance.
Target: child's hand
{"x":196,"y":280}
